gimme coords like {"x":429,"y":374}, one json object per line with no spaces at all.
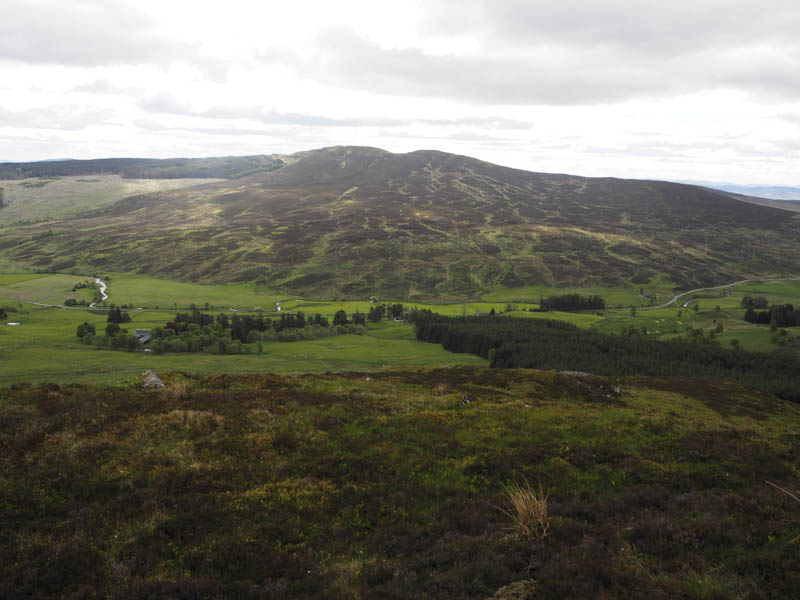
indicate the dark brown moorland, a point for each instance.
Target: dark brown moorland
{"x":390,"y":486}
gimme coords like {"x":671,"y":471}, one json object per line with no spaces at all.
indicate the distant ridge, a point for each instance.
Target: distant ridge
{"x":149,"y":168}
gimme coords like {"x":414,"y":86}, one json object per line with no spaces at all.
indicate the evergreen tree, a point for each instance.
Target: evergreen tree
{"x":376,"y":313}
{"x":85,"y":329}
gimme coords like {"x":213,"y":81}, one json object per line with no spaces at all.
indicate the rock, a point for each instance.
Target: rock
{"x":151,"y":381}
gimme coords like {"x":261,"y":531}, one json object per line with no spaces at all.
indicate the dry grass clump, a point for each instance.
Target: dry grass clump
{"x":196,"y":420}
{"x":176,"y":391}
{"x":528,"y":510}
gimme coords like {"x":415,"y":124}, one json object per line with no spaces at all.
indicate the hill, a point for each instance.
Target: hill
{"x":391,"y":486}
{"x":351,"y":222}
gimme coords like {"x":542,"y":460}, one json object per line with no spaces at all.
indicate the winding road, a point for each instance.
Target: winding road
{"x":718,"y":287}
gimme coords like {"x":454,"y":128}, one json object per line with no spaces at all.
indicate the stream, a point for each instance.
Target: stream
{"x":103,"y":288}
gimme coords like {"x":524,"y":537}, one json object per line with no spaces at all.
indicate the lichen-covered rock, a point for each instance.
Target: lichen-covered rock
{"x":151,"y":381}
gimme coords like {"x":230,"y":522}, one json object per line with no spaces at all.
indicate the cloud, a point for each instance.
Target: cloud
{"x":788,"y":117}
{"x":165,"y":103}
{"x":664,"y":29}
{"x":91,"y":33}
{"x":161,"y":126}
{"x":537,"y":76}
{"x":71,"y":118}
{"x":569,"y":53}
{"x":103,"y":85}
{"x":71,"y":32}
{"x":169,"y":104}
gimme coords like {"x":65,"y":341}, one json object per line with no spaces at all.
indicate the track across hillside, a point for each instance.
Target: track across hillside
{"x":718,"y":287}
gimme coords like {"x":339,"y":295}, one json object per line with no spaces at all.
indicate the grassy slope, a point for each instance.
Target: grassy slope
{"x":341,"y":486}
{"x":58,"y":198}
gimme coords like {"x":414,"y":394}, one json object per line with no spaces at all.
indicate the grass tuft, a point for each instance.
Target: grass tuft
{"x":528,"y":510}
{"x":176,"y":391}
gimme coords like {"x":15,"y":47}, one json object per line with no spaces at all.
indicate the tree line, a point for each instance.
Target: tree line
{"x":571,"y":303}
{"x":779,"y":315}
{"x":197,"y":331}
{"x":547,"y":344}
{"x":754,"y":302}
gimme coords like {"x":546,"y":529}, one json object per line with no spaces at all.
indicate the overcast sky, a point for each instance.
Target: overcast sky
{"x":697,"y":89}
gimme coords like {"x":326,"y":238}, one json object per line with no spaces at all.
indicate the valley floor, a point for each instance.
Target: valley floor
{"x":44,"y":347}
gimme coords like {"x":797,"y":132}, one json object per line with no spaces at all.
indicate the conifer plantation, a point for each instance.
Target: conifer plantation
{"x":547,"y":344}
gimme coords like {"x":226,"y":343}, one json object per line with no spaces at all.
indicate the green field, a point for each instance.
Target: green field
{"x":139,"y":290}
{"x":44,"y":289}
{"x":151,"y":292}
{"x":614,"y":296}
{"x":454,"y":310}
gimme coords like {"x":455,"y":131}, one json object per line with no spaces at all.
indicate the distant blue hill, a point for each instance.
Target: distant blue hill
{"x":43,"y":160}
{"x":771,"y":192}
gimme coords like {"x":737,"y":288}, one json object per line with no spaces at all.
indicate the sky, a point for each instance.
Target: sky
{"x":683,"y":90}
